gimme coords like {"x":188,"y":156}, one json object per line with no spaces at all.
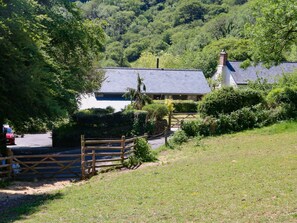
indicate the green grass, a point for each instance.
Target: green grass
{"x":243,"y":177}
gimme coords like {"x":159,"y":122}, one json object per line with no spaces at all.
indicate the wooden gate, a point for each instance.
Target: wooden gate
{"x":177,"y":118}
{"x":97,"y":154}
{"x":47,"y":166}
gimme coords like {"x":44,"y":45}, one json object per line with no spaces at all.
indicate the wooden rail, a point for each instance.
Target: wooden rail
{"x":95,"y":154}
{"x":48,"y":165}
{"x":177,"y":118}
{"x":5,"y":167}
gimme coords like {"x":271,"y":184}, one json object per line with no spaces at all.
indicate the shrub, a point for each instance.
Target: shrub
{"x":286,"y":95}
{"x":180,"y":106}
{"x":286,"y":98}
{"x":227,"y":100}
{"x":156,"y":111}
{"x":191,"y":128}
{"x":96,"y":111}
{"x":242,"y":119}
{"x":179,"y":137}
{"x":143,"y":151}
{"x":140,"y":124}
{"x":185,"y":106}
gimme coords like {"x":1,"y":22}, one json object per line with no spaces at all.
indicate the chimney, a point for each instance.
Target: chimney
{"x":223,"y":58}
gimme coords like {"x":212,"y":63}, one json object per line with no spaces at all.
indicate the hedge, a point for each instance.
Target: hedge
{"x":227,"y":100}
{"x":242,"y":119}
{"x":156,"y":111}
{"x":98,"y":126}
{"x":181,"y":106}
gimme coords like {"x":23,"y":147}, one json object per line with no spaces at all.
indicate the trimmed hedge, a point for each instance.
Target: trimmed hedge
{"x":181,"y":106}
{"x":227,"y":100}
{"x":185,"y":106}
{"x":99,"y":126}
{"x":96,"y":111}
{"x":156,"y":111}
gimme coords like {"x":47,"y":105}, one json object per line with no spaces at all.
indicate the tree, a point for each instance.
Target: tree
{"x":238,"y":50}
{"x":274,"y":31}
{"x":189,"y":11}
{"x":47,"y":59}
{"x":137,"y":95}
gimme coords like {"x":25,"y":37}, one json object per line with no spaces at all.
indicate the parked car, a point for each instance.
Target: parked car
{"x":10,"y":138}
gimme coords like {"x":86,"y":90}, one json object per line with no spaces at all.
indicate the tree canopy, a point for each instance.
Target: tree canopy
{"x":47,"y":58}
{"x":274,"y":33}
{"x":175,"y":29}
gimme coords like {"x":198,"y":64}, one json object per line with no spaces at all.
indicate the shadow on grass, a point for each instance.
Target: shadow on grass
{"x":29,"y":204}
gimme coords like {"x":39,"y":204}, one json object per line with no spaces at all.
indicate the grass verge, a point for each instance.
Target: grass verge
{"x":243,"y":177}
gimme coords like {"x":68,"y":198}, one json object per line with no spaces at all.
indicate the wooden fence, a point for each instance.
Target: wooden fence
{"x":94,"y":155}
{"x":177,"y":118}
{"x":97,"y":154}
{"x":5,"y":167}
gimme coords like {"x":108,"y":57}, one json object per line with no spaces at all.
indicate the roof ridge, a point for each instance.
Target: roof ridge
{"x":233,"y":61}
{"x":160,"y":69}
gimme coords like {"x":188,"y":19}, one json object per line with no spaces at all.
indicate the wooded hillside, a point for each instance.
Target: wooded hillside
{"x":184,"y":34}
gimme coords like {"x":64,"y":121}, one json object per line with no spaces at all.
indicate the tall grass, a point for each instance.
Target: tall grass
{"x":244,"y":177}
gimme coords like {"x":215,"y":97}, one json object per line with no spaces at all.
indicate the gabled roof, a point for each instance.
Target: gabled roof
{"x":241,"y":76}
{"x":157,"y":81}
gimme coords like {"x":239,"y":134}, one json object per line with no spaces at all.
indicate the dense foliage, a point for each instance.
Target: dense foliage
{"x":47,"y":59}
{"x":274,"y":33}
{"x":183,"y":34}
{"x":156,"y":111}
{"x":223,"y":111}
{"x":101,"y":126}
{"x":190,"y":34}
{"x":227,"y":100}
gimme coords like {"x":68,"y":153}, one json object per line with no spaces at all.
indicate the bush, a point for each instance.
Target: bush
{"x":141,"y":124}
{"x":286,"y":98}
{"x":143,"y":151}
{"x":227,"y":100}
{"x":185,"y":106}
{"x":286,"y":95}
{"x":245,"y":118}
{"x":179,"y":137}
{"x":96,"y":111}
{"x":191,"y":128}
{"x":180,"y":106}
{"x":156,"y":111}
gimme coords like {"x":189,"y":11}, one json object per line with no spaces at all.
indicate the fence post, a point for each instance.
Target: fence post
{"x":123,"y":149}
{"x":93,"y":162}
{"x":9,"y":161}
{"x":166,"y":134}
{"x":83,"y":170}
{"x":169,"y":120}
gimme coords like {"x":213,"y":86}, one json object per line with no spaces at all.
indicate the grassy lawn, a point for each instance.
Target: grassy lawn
{"x":244,"y":177}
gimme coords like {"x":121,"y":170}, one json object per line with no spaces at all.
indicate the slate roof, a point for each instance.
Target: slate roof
{"x":241,"y":76}
{"x":157,"y":81}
